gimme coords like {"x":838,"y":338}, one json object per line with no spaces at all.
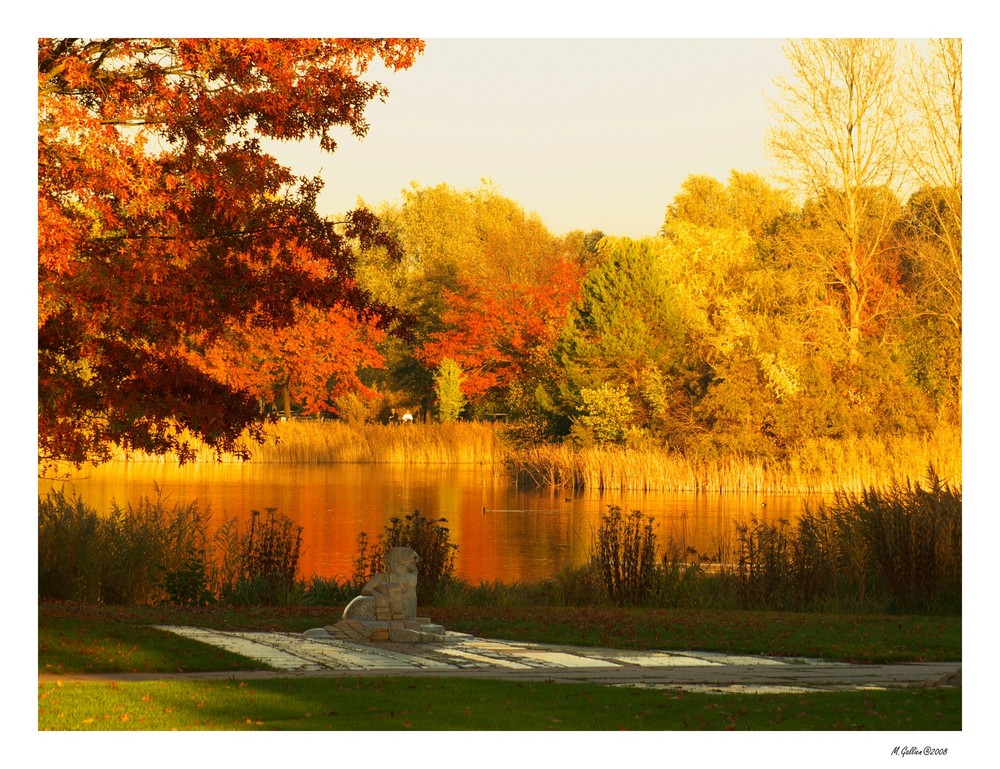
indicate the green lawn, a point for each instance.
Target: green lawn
{"x":91,"y":639}
{"x":361,"y":704}
{"x":846,"y":638}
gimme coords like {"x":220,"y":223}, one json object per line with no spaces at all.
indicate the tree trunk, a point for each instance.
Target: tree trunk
{"x":286,"y":399}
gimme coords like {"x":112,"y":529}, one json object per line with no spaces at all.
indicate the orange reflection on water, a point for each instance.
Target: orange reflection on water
{"x":502,"y":532}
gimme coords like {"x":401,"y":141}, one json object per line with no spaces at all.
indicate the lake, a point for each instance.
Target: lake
{"x":503,"y":532}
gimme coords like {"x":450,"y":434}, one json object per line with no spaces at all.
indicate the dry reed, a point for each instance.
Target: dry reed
{"x":815,"y":466}
{"x":334,"y":442}
{"x":820,"y":465}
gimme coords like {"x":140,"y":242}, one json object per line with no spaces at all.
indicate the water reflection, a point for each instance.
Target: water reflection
{"x":503,"y":532}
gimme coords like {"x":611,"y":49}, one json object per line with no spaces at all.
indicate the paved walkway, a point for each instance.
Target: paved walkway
{"x":294,"y":655}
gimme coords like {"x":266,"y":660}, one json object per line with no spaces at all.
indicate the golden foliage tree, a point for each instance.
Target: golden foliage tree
{"x":839,"y":133}
{"x":934,"y":155}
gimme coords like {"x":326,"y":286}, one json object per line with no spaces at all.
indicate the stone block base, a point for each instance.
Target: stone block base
{"x":418,"y":630}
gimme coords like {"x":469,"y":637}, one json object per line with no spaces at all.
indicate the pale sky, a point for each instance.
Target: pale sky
{"x":588,"y":133}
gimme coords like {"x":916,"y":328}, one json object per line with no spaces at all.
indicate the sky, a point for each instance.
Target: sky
{"x":588,"y":133}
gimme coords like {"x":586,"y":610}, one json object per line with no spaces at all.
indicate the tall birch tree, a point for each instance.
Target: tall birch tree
{"x":840,"y":125}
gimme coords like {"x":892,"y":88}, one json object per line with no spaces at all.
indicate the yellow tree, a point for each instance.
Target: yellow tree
{"x":934,"y":154}
{"x":839,"y":132}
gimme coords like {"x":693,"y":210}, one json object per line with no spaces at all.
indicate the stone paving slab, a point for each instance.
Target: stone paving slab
{"x":459,"y":654}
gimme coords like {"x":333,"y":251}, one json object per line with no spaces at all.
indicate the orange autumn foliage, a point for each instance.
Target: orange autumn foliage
{"x":162,"y":224}
{"x":315,"y":359}
{"x":500,"y":335}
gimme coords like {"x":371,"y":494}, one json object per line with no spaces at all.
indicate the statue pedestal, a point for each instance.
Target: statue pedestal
{"x":416,"y":630}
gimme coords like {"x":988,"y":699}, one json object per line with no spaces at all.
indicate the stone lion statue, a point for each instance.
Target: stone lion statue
{"x":389,"y":595}
{"x":402,"y":560}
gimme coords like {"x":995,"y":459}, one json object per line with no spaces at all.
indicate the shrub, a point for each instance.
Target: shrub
{"x":626,"y":556}
{"x":266,"y":560}
{"x":607,"y":413}
{"x":328,"y":592}
{"x":677,"y":579}
{"x":430,"y":539}
{"x":581,"y":586}
{"x":356,"y":410}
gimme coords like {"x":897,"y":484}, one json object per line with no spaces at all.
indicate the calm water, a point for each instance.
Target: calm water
{"x":502,"y":532}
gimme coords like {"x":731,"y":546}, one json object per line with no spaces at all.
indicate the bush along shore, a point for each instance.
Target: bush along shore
{"x":895,"y":550}
{"x":819,"y":465}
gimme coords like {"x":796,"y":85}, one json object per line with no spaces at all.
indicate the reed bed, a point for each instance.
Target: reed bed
{"x":460,"y":443}
{"x":820,"y":466}
{"x":149,"y":553}
{"x":815,"y":466}
{"x":334,"y":442}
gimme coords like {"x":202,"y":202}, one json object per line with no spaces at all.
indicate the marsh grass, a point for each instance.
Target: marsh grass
{"x":821,"y":465}
{"x":149,"y":553}
{"x":899,"y":548}
{"x":814,"y":466}
{"x":337,"y":442}
{"x":135,"y":554}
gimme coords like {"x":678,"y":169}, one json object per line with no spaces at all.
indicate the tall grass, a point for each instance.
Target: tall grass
{"x":332,"y":442}
{"x":147,"y":554}
{"x":821,"y":465}
{"x":815,"y":466}
{"x":132,"y":555}
{"x":261,"y":566}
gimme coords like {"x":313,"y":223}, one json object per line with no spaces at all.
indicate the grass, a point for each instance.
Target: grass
{"x":76,"y":638}
{"x":333,"y":442}
{"x":844,"y":638}
{"x":815,"y":466}
{"x":66,"y":645}
{"x":376,"y":704}
{"x":92,"y":639}
{"x":821,"y":465}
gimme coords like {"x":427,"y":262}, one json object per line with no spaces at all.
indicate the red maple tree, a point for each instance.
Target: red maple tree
{"x":162,"y":224}
{"x":501,"y":334}
{"x":312,"y":361}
